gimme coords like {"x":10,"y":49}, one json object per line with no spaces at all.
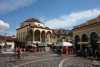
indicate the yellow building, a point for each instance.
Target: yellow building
{"x":86,"y":37}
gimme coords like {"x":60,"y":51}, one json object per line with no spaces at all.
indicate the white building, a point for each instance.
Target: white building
{"x":7,"y":43}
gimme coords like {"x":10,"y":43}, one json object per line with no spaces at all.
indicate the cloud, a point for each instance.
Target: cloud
{"x":73,"y":19}
{"x":4,"y":25}
{"x":7,"y":6}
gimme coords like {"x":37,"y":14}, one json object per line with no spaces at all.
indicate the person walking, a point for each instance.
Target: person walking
{"x":18,"y":53}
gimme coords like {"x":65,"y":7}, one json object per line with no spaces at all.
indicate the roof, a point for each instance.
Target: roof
{"x":32,"y":20}
{"x":89,"y":22}
{"x":7,"y":38}
{"x":33,"y":23}
{"x":61,"y":31}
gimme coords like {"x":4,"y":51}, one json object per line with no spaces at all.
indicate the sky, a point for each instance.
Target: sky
{"x":54,"y":13}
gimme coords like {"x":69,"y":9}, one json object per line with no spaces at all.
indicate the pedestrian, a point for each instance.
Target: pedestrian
{"x":18,"y":52}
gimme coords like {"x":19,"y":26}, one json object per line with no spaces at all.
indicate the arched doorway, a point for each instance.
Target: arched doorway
{"x":48,"y":36}
{"x":37,"y":35}
{"x":93,"y":42}
{"x":84,"y":47}
{"x":42,"y":48}
{"x":84,"y":38}
{"x":43,"y":36}
{"x":29,"y":38}
{"x":93,"y":38}
{"x":29,"y":35}
{"x":77,"y":45}
{"x":48,"y":40}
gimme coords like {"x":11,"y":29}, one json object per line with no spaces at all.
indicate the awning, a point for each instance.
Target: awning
{"x":33,"y":45}
{"x":67,"y":44}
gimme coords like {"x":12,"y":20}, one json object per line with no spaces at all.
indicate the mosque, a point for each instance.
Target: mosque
{"x":33,"y":32}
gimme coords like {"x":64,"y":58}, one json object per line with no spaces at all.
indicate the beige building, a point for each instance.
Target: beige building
{"x":87,"y":36}
{"x":33,"y":32}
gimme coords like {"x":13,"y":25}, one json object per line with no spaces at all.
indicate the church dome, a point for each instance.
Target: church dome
{"x":32,"y":20}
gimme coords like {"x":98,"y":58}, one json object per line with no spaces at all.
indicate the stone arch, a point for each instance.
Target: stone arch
{"x":84,"y":38}
{"x":43,"y":36}
{"x":84,"y":45}
{"x":37,"y":35}
{"x":48,"y":36}
{"x":93,"y":41}
{"x":93,"y":37}
{"x":77,"y":40}
{"x":30,"y":35}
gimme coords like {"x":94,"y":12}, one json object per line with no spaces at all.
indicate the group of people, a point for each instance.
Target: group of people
{"x":62,"y":50}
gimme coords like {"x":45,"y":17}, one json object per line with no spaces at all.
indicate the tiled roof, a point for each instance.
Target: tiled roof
{"x":89,"y":22}
{"x":8,"y":38}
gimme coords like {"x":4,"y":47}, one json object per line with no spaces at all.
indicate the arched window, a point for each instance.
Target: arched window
{"x":43,"y":36}
{"x":93,"y":38}
{"x":93,"y":42}
{"x":84,"y":38}
{"x":37,"y":35}
{"x":77,"y":40}
{"x":30,"y":35}
{"x":48,"y":36}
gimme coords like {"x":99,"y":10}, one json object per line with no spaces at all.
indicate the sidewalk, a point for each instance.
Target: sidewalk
{"x":23,"y":53}
{"x":81,"y":62}
{"x":28,"y":55}
{"x":10,"y":60}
